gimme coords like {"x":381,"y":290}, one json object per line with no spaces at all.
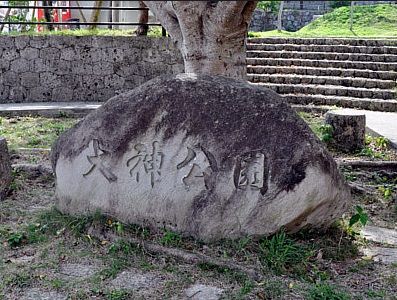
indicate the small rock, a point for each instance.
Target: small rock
{"x":37,"y":294}
{"x":203,"y":292}
{"x":133,"y":280}
{"x":78,"y":270}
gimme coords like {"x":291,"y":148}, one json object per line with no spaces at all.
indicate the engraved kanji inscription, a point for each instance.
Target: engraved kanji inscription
{"x":98,"y":161}
{"x":196,"y":164}
{"x":146,"y":162}
{"x":249,"y":172}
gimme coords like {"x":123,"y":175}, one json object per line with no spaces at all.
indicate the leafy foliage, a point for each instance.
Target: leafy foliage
{"x":281,"y":254}
{"x":340,"y":3}
{"x":375,"y":147}
{"x":171,"y":238}
{"x":326,"y":132}
{"x":269,"y":5}
{"x":359,"y":217}
{"x":323,"y":291}
{"x":369,"y":21}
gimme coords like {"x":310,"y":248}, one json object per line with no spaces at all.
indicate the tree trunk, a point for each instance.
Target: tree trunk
{"x":348,"y":130}
{"x":351,"y":15}
{"x":210,"y":34}
{"x":81,"y":12}
{"x":48,"y":14}
{"x":280,"y":16}
{"x":143,"y":19}
{"x":95,"y":13}
{"x":216,"y":57}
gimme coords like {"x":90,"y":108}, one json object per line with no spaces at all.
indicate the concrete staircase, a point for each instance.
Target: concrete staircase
{"x":352,"y":73}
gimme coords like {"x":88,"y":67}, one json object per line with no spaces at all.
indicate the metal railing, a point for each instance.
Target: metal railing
{"x":7,"y":20}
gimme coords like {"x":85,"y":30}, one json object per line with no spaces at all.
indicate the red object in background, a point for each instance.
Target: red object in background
{"x":65,"y":13}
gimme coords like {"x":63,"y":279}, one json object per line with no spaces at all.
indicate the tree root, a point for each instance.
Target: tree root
{"x":186,"y":256}
{"x":363,"y":164}
{"x":33,"y":170}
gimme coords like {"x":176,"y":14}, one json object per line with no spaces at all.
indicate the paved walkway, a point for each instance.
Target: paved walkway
{"x":378,"y":123}
{"x":48,"y":108}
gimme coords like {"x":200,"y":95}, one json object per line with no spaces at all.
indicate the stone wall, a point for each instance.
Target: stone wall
{"x":323,"y":6}
{"x":86,"y":68}
{"x":297,"y":14}
{"x":292,"y":20}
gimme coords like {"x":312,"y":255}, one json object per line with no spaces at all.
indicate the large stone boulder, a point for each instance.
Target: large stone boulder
{"x":5,"y":169}
{"x":209,"y":157}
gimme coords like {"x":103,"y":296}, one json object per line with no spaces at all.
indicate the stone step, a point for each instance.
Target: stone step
{"x":324,"y":48}
{"x":316,"y":63}
{"x":325,"y":41}
{"x":330,"y":90}
{"x":349,"y":102}
{"x":326,"y":80}
{"x":382,"y":75}
{"x":324,"y":56}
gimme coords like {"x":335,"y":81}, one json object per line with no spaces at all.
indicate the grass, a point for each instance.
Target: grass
{"x":323,"y":291}
{"x":282,"y":254}
{"x":374,"y":148}
{"x":369,"y":21}
{"x":304,"y":261}
{"x":46,"y":224}
{"x":316,"y":124}
{"x":154,"y":31}
{"x":33,"y":132}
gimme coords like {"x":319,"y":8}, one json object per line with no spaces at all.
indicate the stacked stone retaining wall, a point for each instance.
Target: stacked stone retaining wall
{"x":85,"y":68}
{"x":297,"y":14}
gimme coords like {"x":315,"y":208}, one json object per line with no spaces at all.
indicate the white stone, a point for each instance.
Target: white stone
{"x":380,"y":235}
{"x":203,"y":292}
{"x":380,"y":254}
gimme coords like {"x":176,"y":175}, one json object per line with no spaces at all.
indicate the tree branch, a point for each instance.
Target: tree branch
{"x":232,"y":13}
{"x":248,"y":10}
{"x":166,"y":15}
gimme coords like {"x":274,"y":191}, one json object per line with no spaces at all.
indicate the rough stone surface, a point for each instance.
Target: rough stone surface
{"x":380,"y":254}
{"x":134,"y":280}
{"x":38,"y":294}
{"x":210,"y":157}
{"x":85,"y":68}
{"x":5,"y":168}
{"x":380,"y":235}
{"x":348,"y":126}
{"x":203,"y":292}
{"x":78,"y":270}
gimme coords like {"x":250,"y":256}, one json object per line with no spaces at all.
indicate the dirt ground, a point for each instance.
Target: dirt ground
{"x":46,"y":255}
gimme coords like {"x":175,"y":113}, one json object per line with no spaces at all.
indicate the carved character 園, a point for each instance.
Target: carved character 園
{"x":249,"y":172}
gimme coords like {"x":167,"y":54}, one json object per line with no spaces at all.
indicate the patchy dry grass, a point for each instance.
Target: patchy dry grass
{"x":44,"y":251}
{"x":33,"y":132}
{"x":376,"y":148}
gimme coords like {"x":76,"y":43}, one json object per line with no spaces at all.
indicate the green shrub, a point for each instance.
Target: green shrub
{"x":282,"y":254}
{"x":323,"y":291}
{"x":340,"y":3}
